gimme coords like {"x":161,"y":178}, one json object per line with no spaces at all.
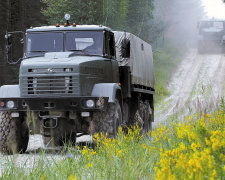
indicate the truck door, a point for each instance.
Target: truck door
{"x":111,"y":64}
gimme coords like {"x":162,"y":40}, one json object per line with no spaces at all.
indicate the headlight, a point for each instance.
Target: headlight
{"x":90,"y":103}
{"x":10,"y":104}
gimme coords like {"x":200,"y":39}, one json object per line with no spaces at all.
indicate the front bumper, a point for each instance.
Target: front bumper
{"x":59,"y":103}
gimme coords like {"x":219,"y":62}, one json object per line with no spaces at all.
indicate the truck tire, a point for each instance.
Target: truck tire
{"x":14,"y":134}
{"x":144,"y":117}
{"x":108,"y":121}
{"x":148,"y":117}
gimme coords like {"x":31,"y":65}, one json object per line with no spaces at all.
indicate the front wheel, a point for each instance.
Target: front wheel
{"x":14,"y":134}
{"x":108,"y":121}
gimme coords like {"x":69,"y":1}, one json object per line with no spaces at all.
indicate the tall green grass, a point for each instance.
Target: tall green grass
{"x":165,"y":62}
{"x":191,"y":149}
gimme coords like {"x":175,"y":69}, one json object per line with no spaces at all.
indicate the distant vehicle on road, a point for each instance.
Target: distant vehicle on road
{"x":211,"y":35}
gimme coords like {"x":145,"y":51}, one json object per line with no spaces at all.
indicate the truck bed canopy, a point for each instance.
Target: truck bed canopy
{"x":140,"y":60}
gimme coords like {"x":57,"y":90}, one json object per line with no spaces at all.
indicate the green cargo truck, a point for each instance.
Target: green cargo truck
{"x":211,"y":35}
{"x":76,"y":80}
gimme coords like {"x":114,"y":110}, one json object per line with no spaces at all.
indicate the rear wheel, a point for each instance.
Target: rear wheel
{"x":14,"y":134}
{"x":148,"y":117}
{"x":144,"y":116}
{"x":108,"y":121}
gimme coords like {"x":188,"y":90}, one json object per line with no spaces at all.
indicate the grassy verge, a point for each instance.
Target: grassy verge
{"x":191,"y":149}
{"x":165,"y":61}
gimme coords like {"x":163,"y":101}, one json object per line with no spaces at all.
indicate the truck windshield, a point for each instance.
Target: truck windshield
{"x":80,"y":42}
{"x":212,"y":24}
{"x":40,"y":43}
{"x":85,"y":42}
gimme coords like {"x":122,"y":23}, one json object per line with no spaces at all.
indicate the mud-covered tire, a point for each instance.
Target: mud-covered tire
{"x":108,"y":121}
{"x":148,"y":117}
{"x":144,"y":117}
{"x":14,"y":134}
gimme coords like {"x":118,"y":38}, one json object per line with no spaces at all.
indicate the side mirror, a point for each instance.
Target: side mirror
{"x":125,"y":48}
{"x":14,"y":42}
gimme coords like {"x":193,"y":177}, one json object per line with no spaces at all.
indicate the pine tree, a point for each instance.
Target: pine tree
{"x":16,"y":15}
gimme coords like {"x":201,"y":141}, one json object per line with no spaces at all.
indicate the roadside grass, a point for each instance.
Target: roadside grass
{"x":165,"y":62}
{"x":193,"y":148}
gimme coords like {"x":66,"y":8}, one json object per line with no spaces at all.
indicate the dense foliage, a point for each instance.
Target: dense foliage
{"x":129,"y":15}
{"x":16,"y":15}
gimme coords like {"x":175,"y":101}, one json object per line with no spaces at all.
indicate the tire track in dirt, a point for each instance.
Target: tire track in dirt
{"x":209,"y":87}
{"x":197,"y":83}
{"x":180,"y":86}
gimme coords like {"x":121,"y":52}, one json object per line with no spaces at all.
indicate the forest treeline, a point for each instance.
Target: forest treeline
{"x":17,"y":15}
{"x":148,"y":19}
{"x":128,"y":15}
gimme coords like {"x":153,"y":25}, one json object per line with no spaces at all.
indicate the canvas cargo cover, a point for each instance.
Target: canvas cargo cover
{"x":140,"y":61}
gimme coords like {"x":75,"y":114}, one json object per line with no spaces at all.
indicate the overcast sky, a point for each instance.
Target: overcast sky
{"x":214,"y":8}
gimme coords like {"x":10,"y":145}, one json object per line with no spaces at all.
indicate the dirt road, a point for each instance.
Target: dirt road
{"x":198,"y":83}
{"x":196,"y":86}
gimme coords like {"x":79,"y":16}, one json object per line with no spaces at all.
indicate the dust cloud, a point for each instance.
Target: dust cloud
{"x":180,"y":19}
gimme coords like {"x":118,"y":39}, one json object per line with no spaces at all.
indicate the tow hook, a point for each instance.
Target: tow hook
{"x":50,"y":123}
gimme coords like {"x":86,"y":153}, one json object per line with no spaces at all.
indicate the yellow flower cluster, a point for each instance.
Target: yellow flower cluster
{"x":197,"y":150}
{"x":118,"y":147}
{"x":88,"y":153}
{"x":161,"y":133}
{"x":191,"y":149}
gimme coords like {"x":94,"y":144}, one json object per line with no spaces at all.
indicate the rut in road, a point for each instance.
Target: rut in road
{"x":196,"y":86}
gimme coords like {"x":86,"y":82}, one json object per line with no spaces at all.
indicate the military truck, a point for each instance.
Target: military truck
{"x":76,"y":80}
{"x":211,"y":35}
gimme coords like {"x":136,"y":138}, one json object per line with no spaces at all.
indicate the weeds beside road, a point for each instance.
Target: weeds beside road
{"x":191,"y":149}
{"x":165,"y":62}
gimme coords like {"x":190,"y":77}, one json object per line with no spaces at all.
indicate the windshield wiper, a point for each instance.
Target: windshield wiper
{"x":79,"y":50}
{"x":39,"y":51}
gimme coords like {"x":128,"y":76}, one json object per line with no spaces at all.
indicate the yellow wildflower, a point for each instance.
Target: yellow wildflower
{"x":72,"y":177}
{"x":214,"y":174}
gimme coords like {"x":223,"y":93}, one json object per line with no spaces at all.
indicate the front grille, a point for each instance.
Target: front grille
{"x":49,"y":85}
